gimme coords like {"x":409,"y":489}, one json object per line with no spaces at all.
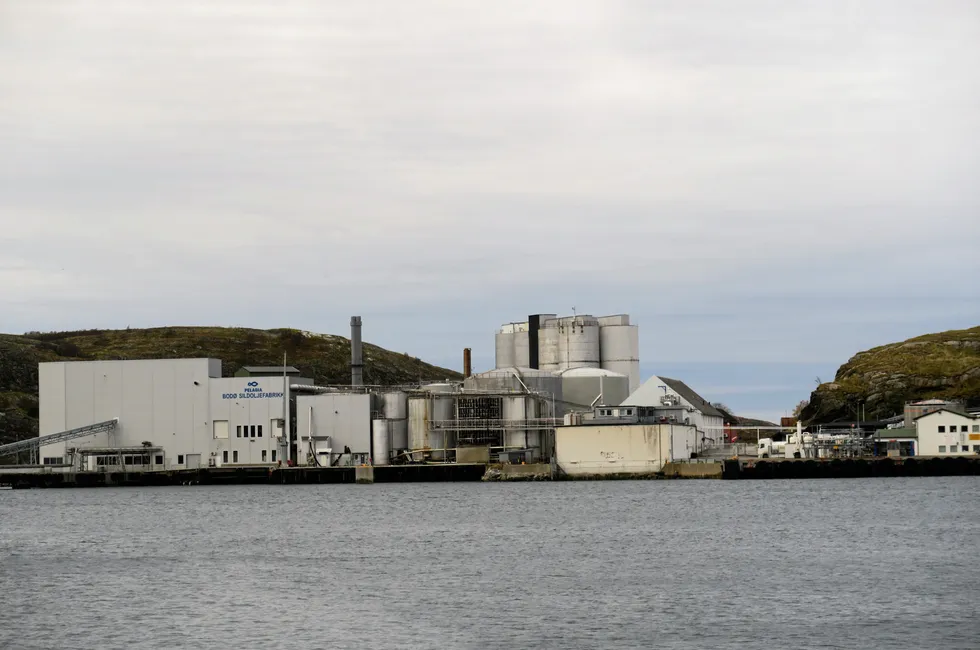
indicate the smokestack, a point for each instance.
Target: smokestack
{"x":356,"y":353}
{"x":467,"y":363}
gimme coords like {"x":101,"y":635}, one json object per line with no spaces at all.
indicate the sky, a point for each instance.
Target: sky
{"x":766,"y":187}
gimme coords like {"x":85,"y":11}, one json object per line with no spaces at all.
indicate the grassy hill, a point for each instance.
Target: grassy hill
{"x":324,"y":357}
{"x":944,"y":365}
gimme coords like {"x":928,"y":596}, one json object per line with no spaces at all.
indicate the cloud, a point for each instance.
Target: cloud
{"x":772,"y":181}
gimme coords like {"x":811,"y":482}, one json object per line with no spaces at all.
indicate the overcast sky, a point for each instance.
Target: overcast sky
{"x":759,"y":184}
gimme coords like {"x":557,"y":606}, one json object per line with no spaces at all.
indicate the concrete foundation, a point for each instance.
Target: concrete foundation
{"x":472,"y":454}
{"x":694,"y":470}
{"x":364,"y":474}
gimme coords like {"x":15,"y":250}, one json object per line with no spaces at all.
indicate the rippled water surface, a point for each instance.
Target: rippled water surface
{"x":877,"y":563}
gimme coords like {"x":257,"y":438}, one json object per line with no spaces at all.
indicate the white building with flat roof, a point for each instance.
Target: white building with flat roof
{"x":172,"y":414}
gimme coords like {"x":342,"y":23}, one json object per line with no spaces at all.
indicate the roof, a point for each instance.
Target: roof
{"x":896,"y":434}
{"x":277,"y":369}
{"x":649,"y":395}
{"x":967,"y":416}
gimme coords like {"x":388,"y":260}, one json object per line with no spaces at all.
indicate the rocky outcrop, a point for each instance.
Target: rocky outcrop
{"x":883,"y":379}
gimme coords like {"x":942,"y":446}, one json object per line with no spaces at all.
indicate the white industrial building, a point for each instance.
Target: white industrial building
{"x":678,"y":402}
{"x":170,"y":413}
{"x":947,"y":433}
{"x":622,"y":440}
{"x":547,"y":342}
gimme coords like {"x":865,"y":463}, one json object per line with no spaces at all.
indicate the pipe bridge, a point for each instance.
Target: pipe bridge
{"x":36,"y":443}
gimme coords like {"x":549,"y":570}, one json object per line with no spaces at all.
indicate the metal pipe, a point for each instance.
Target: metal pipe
{"x":356,"y":353}
{"x":467,"y":363}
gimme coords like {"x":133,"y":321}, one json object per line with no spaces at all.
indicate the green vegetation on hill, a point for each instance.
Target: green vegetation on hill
{"x":324,"y":357}
{"x":944,"y":365}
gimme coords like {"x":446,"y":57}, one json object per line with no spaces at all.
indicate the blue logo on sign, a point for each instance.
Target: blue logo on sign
{"x":253,"y":383}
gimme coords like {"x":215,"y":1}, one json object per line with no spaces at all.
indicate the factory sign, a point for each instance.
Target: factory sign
{"x":252,"y":390}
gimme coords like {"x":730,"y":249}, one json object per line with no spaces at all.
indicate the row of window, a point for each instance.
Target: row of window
{"x":234,"y":456}
{"x":963,"y":427}
{"x":250,"y":429}
{"x":104,"y":461}
{"x":954,"y":449}
{"x":54,"y":460}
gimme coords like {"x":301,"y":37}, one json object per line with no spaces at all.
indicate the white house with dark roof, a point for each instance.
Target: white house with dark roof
{"x":669,"y":394}
{"x":948,"y":433}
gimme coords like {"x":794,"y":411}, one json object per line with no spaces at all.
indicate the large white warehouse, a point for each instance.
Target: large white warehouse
{"x":553,"y":343}
{"x":172,"y":413}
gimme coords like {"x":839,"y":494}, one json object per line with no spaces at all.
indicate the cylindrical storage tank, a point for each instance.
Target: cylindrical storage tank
{"x":514,"y":410}
{"x":399,"y":434}
{"x":578,"y":342}
{"x":619,"y":347}
{"x":582,"y":388}
{"x":418,"y":423}
{"x":548,"y":349}
{"x":396,"y":405}
{"x":380,"y":442}
{"x":441,"y":410}
{"x":396,"y":412}
{"x":522,"y":349}
{"x":504,"y":342}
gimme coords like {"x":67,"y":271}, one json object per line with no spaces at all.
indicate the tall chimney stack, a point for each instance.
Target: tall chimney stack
{"x":467,"y":363}
{"x":356,"y":353}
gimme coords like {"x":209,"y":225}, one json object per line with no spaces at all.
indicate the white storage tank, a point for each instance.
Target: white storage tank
{"x":620,"y":351}
{"x":548,"y":348}
{"x":578,"y":342}
{"x":522,"y":349}
{"x":517,"y":409}
{"x":504,"y":342}
{"x":396,"y":412}
{"x":582,"y":387}
{"x":380,"y":445}
{"x":434,"y":404}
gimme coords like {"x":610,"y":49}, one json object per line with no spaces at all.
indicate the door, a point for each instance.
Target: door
{"x":193,"y":461}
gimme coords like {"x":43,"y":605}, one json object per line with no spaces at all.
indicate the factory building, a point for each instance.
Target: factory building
{"x":677,"y":402}
{"x":551,"y":343}
{"x":621,"y":440}
{"x":171,"y":414}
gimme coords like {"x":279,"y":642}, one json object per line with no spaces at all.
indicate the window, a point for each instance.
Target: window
{"x":976,"y":428}
{"x":159,"y":460}
{"x":942,"y":428}
{"x":238,"y":430}
{"x":274,"y":454}
{"x":964,"y":428}
{"x":180,"y":459}
{"x":942,"y":449}
{"x":263,"y":455}
{"x":234,"y":456}
{"x":54,"y":460}
{"x":224,"y":456}
{"x":976,"y":450}
{"x":965,"y":448}
{"x":252,"y":431}
{"x":260,"y":430}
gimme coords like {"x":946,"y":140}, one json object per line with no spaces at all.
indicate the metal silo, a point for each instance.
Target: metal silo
{"x":515,"y":410}
{"x":522,"y":349}
{"x":620,"y":351}
{"x":504,"y":349}
{"x":396,"y":412}
{"x":578,"y":342}
{"x":548,"y":347}
{"x":418,"y":424}
{"x":441,"y":411}
{"x":380,"y":442}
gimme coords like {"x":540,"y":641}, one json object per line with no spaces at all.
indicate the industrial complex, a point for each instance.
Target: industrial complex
{"x":564,"y":392}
